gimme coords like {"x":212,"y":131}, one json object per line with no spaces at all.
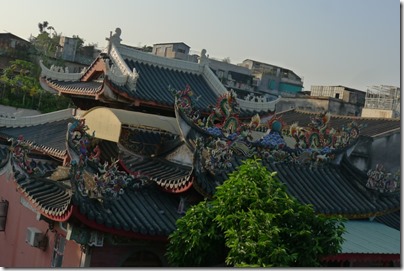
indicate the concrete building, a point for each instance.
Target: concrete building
{"x":318,"y":104}
{"x":346,"y":94}
{"x":273,"y":79}
{"x":67,"y":48}
{"x":12,"y":47}
{"x":232,"y":76}
{"x":175,"y":50}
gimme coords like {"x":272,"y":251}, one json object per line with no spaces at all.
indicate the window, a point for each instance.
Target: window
{"x":143,"y":259}
{"x":58,"y":250}
{"x":3,"y":214}
{"x":179,"y":50}
{"x":220,"y":74}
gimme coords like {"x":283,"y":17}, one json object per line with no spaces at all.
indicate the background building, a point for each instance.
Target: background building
{"x":175,"y":50}
{"x":346,"y":94}
{"x":67,"y":48}
{"x":318,"y":104}
{"x":382,"y":102}
{"x":11,"y":48}
{"x":232,"y":76}
{"x":273,"y":79}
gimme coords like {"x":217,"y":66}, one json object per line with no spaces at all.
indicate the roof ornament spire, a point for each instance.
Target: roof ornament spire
{"x":204,"y":59}
{"x":114,"y":39}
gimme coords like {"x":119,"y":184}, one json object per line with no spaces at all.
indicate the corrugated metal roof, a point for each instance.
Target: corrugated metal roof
{"x":370,"y":237}
{"x":392,"y":220}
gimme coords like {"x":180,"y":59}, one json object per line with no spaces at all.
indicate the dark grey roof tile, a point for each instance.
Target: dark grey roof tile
{"x":51,"y":134}
{"x":371,"y":126}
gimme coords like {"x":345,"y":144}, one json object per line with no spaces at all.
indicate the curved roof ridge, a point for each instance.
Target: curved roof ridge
{"x":159,"y":61}
{"x":340,"y":116}
{"x":75,"y":89}
{"x":36,"y":119}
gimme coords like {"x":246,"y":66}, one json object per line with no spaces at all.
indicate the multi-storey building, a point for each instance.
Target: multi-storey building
{"x":346,"y":94}
{"x":232,"y":76}
{"x":382,"y":102}
{"x":273,"y":79}
{"x":176,"y":50}
{"x":12,"y":47}
{"x":67,"y":48}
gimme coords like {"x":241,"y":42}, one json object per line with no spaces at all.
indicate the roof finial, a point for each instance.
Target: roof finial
{"x":203,"y":59}
{"x":114,"y":39}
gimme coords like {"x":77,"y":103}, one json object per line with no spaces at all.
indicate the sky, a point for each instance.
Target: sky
{"x":354,"y":43}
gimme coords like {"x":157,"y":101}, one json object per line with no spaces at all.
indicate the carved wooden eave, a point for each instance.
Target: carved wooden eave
{"x":60,"y":80}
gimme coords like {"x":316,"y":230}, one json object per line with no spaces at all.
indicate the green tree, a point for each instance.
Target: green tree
{"x":226,"y":60}
{"x":21,"y":88}
{"x":43,"y":26}
{"x":20,"y":79}
{"x":256,"y":223}
{"x":47,"y":41}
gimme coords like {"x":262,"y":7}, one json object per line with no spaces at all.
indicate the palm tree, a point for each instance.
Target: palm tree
{"x":43,"y":26}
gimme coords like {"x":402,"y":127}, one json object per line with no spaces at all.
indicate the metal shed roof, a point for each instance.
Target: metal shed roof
{"x":370,"y":237}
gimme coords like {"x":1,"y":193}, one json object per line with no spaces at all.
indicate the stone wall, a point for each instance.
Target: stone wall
{"x":317,"y":104}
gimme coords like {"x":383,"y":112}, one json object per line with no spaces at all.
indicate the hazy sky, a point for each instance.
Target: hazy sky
{"x":355,"y":43}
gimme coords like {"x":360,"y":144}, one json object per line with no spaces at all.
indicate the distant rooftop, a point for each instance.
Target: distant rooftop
{"x":166,"y":43}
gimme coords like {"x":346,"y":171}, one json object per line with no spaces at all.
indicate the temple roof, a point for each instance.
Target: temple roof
{"x":318,"y":172}
{"x":49,"y":137}
{"x":89,"y":88}
{"x":50,"y":198}
{"x":139,"y":79}
{"x":130,"y":173}
{"x":145,"y":213}
{"x":372,"y":127}
{"x":150,"y":89}
{"x":331,"y":189}
{"x":168,"y":175}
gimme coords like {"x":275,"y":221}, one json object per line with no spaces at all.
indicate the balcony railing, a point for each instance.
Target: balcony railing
{"x":58,"y":73}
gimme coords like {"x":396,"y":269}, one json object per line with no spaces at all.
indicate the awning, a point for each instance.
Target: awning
{"x":367,"y":241}
{"x":106,"y":123}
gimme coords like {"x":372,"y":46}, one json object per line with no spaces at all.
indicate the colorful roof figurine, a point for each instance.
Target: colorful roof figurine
{"x":46,"y":132}
{"x":134,"y":174}
{"x":31,"y":174}
{"x":371,"y":127}
{"x":98,"y":193}
{"x":311,"y":161}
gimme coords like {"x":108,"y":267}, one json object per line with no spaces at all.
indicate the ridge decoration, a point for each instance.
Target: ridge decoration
{"x":225,"y":135}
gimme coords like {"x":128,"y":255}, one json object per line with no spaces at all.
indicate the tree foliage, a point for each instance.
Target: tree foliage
{"x":226,"y":60}
{"x":20,"y":87}
{"x":47,"y":41}
{"x":254,"y":220}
